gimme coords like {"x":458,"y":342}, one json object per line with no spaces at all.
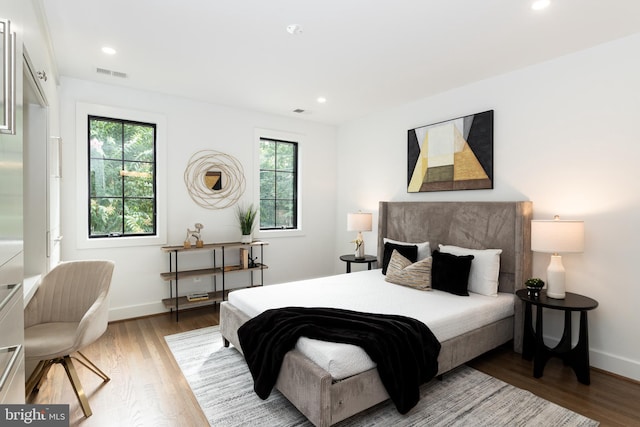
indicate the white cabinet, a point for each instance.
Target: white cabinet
{"x":12,"y":373}
{"x":7,"y":78}
{"x":24,"y":134}
{"x":12,"y":376}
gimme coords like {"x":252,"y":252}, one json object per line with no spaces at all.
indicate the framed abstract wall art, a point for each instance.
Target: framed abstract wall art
{"x":451,"y":155}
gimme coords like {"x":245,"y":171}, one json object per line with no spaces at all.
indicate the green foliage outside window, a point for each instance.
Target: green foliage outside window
{"x":121,"y":178}
{"x":278,"y":184}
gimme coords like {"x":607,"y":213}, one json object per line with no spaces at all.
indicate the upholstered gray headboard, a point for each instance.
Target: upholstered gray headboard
{"x":475,"y":225}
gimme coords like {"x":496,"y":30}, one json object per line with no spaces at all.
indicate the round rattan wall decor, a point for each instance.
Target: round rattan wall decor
{"x":214,"y":180}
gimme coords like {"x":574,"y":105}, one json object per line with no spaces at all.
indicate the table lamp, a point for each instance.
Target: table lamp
{"x":556,"y":237}
{"x":359,"y":222}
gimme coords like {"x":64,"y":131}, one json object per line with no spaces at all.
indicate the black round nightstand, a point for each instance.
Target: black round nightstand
{"x":369,"y":259}
{"x":533,"y":346}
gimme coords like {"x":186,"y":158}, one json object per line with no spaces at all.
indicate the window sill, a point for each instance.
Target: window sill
{"x":268,"y":234}
{"x":120,"y":242}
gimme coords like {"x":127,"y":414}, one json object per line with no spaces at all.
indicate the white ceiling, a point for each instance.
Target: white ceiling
{"x":362,"y":55}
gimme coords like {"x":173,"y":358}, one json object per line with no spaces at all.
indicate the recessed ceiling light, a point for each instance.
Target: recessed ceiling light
{"x":321,"y":100}
{"x":108,"y":50}
{"x":294,"y":29}
{"x":540,"y":4}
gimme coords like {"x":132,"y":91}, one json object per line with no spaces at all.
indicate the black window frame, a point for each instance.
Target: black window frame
{"x":122,"y":122}
{"x":296,"y":174}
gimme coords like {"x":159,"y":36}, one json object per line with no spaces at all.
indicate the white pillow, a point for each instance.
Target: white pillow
{"x":485,"y":268}
{"x":424,"y":250}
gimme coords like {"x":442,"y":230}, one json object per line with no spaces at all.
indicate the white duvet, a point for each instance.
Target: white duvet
{"x":445,"y":314}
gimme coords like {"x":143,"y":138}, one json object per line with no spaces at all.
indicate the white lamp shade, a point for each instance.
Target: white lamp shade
{"x":359,"y":221}
{"x":557,"y":236}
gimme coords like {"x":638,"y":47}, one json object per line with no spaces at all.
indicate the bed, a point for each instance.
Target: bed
{"x":325,"y":399}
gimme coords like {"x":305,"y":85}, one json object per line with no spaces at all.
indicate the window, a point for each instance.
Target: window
{"x":82,"y":217}
{"x":278,"y":184}
{"x":122,"y":178}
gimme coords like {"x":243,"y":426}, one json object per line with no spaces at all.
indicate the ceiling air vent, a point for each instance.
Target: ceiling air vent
{"x":298,"y":110}
{"x":106,"y":72}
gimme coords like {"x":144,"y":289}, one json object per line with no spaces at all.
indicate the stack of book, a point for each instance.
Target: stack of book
{"x":198,"y":296}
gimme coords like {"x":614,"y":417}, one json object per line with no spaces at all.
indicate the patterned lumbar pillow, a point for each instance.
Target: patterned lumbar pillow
{"x":402,"y":271}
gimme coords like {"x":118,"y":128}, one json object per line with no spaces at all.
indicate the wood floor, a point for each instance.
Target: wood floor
{"x":148,"y":389}
{"x":612,"y":400}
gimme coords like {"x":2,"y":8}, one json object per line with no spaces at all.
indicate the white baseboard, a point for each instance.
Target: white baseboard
{"x":140,"y":310}
{"x":606,"y":361}
{"x":618,"y":365}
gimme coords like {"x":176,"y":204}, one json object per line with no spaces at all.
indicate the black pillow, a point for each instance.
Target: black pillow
{"x":450,"y":273}
{"x":408,"y":251}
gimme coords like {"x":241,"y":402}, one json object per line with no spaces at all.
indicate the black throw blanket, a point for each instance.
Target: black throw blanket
{"x":404,"y":349}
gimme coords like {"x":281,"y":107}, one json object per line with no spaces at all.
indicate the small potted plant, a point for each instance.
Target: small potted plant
{"x":246,"y":220}
{"x":534,"y":285}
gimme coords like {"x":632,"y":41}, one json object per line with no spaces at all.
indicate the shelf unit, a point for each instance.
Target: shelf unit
{"x":174,"y":275}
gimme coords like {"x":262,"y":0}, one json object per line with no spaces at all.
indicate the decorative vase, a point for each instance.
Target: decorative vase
{"x":359,"y":253}
{"x":246,"y":238}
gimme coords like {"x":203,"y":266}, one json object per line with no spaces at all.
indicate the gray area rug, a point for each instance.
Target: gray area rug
{"x":223,"y":386}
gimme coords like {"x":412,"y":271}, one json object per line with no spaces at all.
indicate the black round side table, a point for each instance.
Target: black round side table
{"x":369,"y":259}
{"x":533,"y":346}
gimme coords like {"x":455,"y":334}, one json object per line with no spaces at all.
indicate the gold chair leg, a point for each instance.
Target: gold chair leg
{"x":45,"y":371}
{"x":93,"y":368}
{"x":37,"y":376}
{"x":77,"y":386}
{"x":40,"y":373}
{"x":34,"y":378}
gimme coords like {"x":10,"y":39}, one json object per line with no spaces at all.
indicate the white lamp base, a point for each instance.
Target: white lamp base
{"x":359,"y":253}
{"x":555,"y":278}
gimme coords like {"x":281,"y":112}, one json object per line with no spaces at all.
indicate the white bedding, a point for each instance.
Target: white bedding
{"x":445,"y":314}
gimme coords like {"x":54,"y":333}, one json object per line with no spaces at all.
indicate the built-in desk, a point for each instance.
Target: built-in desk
{"x":30,"y":286}
{"x":12,"y":373}
{"x":11,"y":341}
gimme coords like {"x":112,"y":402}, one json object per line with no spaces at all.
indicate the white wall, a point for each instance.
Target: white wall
{"x":192,"y":126}
{"x":566,"y":138}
